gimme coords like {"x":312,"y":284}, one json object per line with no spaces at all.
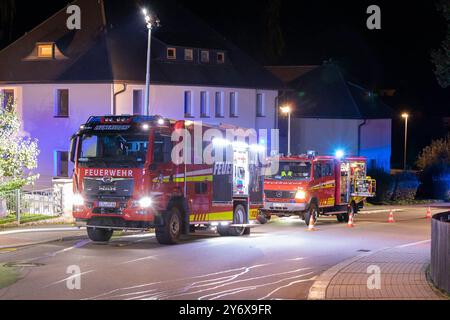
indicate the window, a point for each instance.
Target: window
{"x":188,"y":54}
{"x":61,"y":163}
{"x":233,"y":105}
{"x":171,"y":53}
{"x":137,"y":102}
{"x":218,"y":101}
{"x":7,"y":97}
{"x":220,"y":57}
{"x":260,"y":110}
{"x":62,"y":103}
{"x":45,"y":50}
{"x":317,"y":170}
{"x":204,"y":56}
{"x":201,"y":187}
{"x":204,"y":106}
{"x":188,"y":112}
{"x":327,"y":169}
{"x":162,"y":148}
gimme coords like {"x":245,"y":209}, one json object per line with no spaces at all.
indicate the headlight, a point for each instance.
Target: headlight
{"x":145,"y":202}
{"x":300,"y":195}
{"x":77,"y":199}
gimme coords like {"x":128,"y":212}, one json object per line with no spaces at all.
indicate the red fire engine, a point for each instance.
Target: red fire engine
{"x":311,"y":185}
{"x":124,"y":178}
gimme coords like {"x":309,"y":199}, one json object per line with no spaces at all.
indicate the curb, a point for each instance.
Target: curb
{"x":28,"y":244}
{"x":318,"y":290}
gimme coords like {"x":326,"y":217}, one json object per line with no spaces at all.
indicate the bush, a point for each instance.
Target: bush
{"x":434,"y":162}
{"x":385,"y":185}
{"x":406,"y":185}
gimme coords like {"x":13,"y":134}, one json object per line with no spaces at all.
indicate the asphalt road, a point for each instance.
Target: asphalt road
{"x":279,"y":260}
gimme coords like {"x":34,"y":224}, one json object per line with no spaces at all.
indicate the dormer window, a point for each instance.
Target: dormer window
{"x":204,"y":56}
{"x":171,"y":53}
{"x":45,"y":50}
{"x":188,"y":54}
{"x":220,"y":57}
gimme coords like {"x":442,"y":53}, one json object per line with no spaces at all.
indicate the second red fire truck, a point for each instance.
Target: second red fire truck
{"x":310,"y":185}
{"x":125,"y":178}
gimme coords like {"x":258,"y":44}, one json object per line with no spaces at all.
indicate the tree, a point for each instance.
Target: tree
{"x":18,"y":154}
{"x":441,"y":57}
{"x":434,"y":163}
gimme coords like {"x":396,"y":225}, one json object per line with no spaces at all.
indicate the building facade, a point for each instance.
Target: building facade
{"x":60,"y":77}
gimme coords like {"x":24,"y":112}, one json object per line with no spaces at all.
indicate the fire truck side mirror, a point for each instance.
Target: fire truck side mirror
{"x":73,"y":146}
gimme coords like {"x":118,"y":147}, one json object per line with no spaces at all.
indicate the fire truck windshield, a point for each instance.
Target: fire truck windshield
{"x":112,"y":149}
{"x":293,"y":170}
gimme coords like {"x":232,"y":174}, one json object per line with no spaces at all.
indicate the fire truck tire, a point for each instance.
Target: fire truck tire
{"x":99,"y":234}
{"x":313,"y":212}
{"x":238,"y":218}
{"x":170,"y":232}
{"x":262,"y":219}
{"x":341,"y":217}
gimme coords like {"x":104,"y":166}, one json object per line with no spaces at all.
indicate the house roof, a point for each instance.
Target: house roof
{"x":325,"y":93}
{"x":290,"y":73}
{"x":112,"y":46}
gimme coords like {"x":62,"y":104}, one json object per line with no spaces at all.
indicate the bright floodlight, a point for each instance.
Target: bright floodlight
{"x":285,"y":109}
{"x":144,"y":11}
{"x":160,"y":121}
{"x":405,"y":115}
{"x":339,"y":154}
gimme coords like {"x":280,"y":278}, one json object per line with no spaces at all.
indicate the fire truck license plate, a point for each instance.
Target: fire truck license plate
{"x":104,"y":204}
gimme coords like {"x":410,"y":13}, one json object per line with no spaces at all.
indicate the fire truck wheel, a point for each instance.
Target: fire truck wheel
{"x":262,"y":218}
{"x":238,"y":218}
{"x":170,"y":232}
{"x":99,"y":234}
{"x":341,"y":217}
{"x":313,"y":212}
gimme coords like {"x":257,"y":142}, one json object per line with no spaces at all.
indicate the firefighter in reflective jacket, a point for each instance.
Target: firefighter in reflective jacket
{"x":284,"y":174}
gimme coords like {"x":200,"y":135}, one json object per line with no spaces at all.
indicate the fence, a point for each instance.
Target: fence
{"x":43,"y":202}
{"x":440,"y":250}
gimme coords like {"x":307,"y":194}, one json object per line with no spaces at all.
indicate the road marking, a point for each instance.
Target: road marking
{"x":6,"y":250}
{"x":413,"y":244}
{"x":140,"y":259}
{"x":379,"y":211}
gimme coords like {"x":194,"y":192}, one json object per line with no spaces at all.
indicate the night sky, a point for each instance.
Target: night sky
{"x":310,"y":32}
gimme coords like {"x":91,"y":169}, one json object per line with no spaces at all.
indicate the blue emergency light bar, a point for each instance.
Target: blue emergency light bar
{"x":126,"y":119}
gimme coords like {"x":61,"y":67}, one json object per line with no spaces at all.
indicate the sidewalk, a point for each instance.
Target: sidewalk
{"x":20,"y":237}
{"x":403,"y":276}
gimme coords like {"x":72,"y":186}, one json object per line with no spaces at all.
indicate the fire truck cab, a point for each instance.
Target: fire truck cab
{"x":125,"y":178}
{"x":310,"y":185}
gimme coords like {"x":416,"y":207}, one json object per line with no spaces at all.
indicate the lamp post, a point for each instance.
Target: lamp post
{"x":287,"y":110}
{"x":151,"y":21}
{"x":405,"y":116}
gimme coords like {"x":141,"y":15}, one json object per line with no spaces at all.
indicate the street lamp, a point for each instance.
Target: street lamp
{"x":405,"y":116}
{"x":151,"y":22}
{"x":287,"y":110}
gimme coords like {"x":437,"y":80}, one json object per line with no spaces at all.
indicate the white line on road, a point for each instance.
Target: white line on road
{"x":412,"y":244}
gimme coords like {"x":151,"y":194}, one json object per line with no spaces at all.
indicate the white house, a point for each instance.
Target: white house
{"x":60,"y":77}
{"x":331,"y":113}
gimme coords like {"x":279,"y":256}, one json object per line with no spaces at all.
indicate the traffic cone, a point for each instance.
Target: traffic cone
{"x":311,"y":224}
{"x":350,"y":223}
{"x":428,"y":216}
{"x":391,"y":216}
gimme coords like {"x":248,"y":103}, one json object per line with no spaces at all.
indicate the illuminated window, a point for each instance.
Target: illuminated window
{"x":45,"y":50}
{"x":219,"y":104}
{"x":188,"y":54}
{"x":171,"y":53}
{"x":220,"y":57}
{"x":204,"y":106}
